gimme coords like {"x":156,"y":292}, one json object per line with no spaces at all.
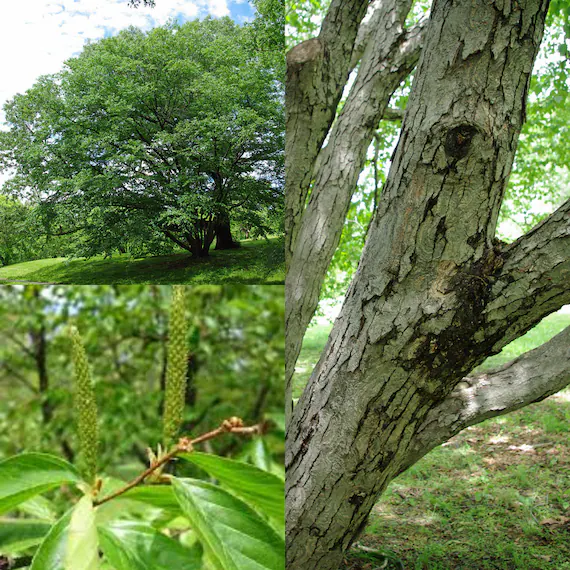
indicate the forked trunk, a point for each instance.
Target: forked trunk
{"x":435,"y":294}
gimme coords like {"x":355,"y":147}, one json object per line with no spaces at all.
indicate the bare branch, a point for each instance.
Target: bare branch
{"x":185,"y":445}
{"x":317,"y":71}
{"x":529,"y":378}
{"x":533,"y":280}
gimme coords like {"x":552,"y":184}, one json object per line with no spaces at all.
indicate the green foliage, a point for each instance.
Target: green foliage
{"x":262,"y":490}
{"x":234,"y":334}
{"x":23,"y":233}
{"x":81,"y":549}
{"x":175,"y":388}
{"x":234,"y":536}
{"x":20,"y":534}
{"x":136,"y":546}
{"x":51,"y":553}
{"x":144,"y":141}
{"x":30,"y":474}
{"x":304,"y":19}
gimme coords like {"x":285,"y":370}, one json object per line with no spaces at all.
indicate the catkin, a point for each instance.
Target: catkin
{"x":85,"y":408}
{"x":177,"y":366}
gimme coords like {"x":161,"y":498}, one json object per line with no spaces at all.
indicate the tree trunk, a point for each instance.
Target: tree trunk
{"x":434,"y":294}
{"x":224,"y":239}
{"x":391,"y":54}
{"x":38,"y":337}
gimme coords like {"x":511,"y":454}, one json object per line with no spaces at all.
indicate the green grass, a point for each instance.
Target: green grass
{"x":254,"y":262}
{"x":494,"y":497}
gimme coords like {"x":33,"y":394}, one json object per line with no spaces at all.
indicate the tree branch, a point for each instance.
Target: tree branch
{"x":533,"y":280}
{"x":317,"y":71}
{"x":185,"y":445}
{"x":15,"y":374}
{"x":529,"y":378}
{"x":389,"y":58}
{"x":393,"y":114}
{"x":371,"y":22}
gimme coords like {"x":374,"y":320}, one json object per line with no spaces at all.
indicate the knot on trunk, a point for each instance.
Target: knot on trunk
{"x":458,"y":141}
{"x":305,"y":52}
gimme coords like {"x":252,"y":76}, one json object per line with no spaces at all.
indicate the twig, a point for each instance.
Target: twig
{"x":186,"y":445}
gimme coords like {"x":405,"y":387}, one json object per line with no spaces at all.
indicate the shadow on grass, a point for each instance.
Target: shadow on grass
{"x":496,"y":496}
{"x":254,"y":262}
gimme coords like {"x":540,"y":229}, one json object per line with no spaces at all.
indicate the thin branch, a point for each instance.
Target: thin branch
{"x":15,"y":374}
{"x":185,"y":445}
{"x":393,"y":114}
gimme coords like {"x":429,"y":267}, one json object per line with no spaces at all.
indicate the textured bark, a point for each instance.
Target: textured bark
{"x":317,"y":71}
{"x":530,"y":378}
{"x":391,"y":54}
{"x":224,"y":239}
{"x":38,"y":337}
{"x":434,"y":294}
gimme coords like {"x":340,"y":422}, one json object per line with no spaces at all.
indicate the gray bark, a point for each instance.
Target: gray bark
{"x":525,"y":380}
{"x":391,"y":54}
{"x":317,"y":71}
{"x":434,"y":294}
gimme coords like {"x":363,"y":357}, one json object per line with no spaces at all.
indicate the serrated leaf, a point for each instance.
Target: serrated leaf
{"x":17,"y":535}
{"x":29,"y":474}
{"x":136,"y":546}
{"x":234,"y":536}
{"x":260,"y":489}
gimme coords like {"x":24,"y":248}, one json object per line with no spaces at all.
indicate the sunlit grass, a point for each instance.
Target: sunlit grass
{"x":255,"y":262}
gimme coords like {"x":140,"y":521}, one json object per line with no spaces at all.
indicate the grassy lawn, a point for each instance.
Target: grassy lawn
{"x":254,"y":262}
{"x":495,"y":497}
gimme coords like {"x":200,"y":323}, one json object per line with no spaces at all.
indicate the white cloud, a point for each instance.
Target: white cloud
{"x":37,"y":36}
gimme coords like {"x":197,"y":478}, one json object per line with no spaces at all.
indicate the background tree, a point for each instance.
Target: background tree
{"x":235,"y":362}
{"x":436,"y":292}
{"x":153,"y":138}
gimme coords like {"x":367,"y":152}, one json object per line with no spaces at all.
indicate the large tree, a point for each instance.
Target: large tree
{"x":435,"y":292}
{"x":153,"y":137}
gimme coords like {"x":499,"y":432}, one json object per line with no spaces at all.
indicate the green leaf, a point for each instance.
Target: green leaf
{"x":82,"y":550}
{"x":51,"y":553}
{"x":161,"y":496}
{"x":17,"y":535}
{"x":40,"y":508}
{"x":135,"y":546}
{"x":29,"y":474}
{"x":71,"y":544}
{"x":234,"y":536}
{"x":260,"y":489}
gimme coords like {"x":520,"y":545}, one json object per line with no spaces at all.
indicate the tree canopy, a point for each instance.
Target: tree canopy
{"x":153,"y":138}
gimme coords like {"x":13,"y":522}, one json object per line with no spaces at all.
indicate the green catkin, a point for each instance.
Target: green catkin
{"x":176,"y":368}
{"x":85,"y":408}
